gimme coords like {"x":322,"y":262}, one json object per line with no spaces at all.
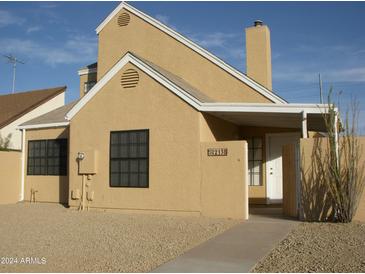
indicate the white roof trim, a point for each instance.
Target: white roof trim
{"x":211,"y":57}
{"x":265,"y":108}
{"x":86,"y":71}
{"x":129,"y":58}
{"x":191,"y":100}
{"x":50,"y":125}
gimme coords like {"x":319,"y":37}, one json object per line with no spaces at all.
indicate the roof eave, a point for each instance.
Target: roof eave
{"x":48,"y":125}
{"x":267,"y":108}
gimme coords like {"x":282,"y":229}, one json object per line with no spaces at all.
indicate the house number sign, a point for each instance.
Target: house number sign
{"x":217,"y":151}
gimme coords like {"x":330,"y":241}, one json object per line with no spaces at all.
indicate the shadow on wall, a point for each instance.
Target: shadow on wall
{"x":63,"y":190}
{"x":316,"y":200}
{"x":221,"y":130}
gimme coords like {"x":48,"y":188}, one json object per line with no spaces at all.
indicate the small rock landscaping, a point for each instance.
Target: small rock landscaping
{"x":51,"y":238}
{"x":318,"y":247}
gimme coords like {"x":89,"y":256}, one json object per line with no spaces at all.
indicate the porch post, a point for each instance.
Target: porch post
{"x":304,"y":125}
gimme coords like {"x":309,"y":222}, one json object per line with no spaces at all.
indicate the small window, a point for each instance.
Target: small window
{"x":88,"y":85}
{"x":47,"y":157}
{"x":129,"y":158}
{"x":255,"y":161}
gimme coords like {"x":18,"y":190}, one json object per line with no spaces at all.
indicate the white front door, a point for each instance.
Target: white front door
{"x":274,"y":164}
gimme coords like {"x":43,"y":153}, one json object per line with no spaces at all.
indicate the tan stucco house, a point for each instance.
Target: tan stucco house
{"x":163,"y":125}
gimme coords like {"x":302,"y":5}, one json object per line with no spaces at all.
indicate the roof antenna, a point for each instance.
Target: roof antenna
{"x":13,"y":60}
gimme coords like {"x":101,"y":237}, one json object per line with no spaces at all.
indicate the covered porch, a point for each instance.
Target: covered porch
{"x":268,"y":128}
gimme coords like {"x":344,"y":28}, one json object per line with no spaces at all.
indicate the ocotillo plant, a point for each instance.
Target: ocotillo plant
{"x":344,"y":171}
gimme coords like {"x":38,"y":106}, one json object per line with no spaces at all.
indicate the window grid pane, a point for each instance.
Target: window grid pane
{"x":255,"y":161}
{"x":129,"y":158}
{"x":47,"y":157}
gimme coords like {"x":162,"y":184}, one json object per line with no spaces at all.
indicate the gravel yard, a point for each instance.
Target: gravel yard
{"x":57,"y":239}
{"x":319,"y":247}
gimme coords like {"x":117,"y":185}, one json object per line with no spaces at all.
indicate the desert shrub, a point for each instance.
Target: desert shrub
{"x":333,"y":183}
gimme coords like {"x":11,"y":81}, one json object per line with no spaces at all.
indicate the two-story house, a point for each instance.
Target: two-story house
{"x":164,"y":125}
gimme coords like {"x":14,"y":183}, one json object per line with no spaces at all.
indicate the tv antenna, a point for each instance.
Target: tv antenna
{"x":14,"y":61}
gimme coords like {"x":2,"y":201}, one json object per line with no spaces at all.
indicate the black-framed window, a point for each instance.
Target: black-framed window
{"x":129,"y":158}
{"x":47,"y":157}
{"x":255,"y":161}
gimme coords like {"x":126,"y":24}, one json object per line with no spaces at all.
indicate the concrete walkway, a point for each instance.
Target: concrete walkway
{"x":237,"y":249}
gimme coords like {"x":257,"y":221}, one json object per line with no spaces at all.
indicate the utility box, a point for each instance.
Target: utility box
{"x":88,"y":164}
{"x":75,"y":194}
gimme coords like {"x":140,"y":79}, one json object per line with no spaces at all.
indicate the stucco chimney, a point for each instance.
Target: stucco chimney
{"x":258,"y":54}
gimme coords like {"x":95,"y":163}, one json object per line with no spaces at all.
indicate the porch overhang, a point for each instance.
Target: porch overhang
{"x":304,"y":117}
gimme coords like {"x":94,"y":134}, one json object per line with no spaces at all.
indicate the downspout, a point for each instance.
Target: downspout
{"x":23,"y":167}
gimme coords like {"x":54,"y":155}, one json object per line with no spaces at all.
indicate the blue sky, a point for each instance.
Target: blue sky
{"x":55,"y":39}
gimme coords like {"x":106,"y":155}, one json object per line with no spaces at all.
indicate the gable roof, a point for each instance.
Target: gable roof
{"x":189,"y":94}
{"x":172,"y":82}
{"x":13,"y":106}
{"x":203,"y":52}
{"x":54,"y":118}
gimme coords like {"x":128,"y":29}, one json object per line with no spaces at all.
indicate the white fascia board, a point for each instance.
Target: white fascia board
{"x":203,"y":52}
{"x":267,"y":108}
{"x":129,"y":58}
{"x":50,"y":125}
{"x":87,"y":71}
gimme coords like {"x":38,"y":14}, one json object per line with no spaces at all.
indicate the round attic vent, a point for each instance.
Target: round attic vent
{"x":129,"y":78}
{"x":124,"y":19}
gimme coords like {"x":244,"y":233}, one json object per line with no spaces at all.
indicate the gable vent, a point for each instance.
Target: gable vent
{"x":124,"y":19}
{"x":129,"y":78}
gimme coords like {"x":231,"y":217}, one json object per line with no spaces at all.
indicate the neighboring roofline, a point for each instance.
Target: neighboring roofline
{"x":34,"y":106}
{"x":86,"y":71}
{"x":203,"y":52}
{"x":49,"y":125}
{"x":191,"y":100}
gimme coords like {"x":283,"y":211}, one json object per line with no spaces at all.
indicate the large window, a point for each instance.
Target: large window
{"x":255,"y":161}
{"x":129,"y":158}
{"x":47,"y":157}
